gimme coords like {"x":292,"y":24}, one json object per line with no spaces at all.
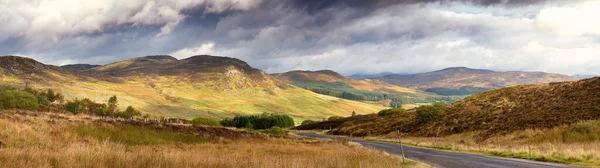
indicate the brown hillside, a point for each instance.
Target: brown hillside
{"x":490,"y":113}
{"x":527,"y":106}
{"x":461,"y":76}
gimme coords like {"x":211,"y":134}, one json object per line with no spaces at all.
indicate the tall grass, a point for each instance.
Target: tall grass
{"x":131,"y":135}
{"x":37,"y":141}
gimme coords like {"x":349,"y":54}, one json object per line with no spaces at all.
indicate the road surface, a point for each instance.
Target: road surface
{"x":446,"y":159}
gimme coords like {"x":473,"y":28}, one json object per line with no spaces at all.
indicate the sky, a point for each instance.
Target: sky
{"x":348,"y":36}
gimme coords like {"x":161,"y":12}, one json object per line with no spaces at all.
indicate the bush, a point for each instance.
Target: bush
{"x":387,"y":112}
{"x":205,"y":121}
{"x":306,"y":122}
{"x":74,"y":106}
{"x":14,"y":99}
{"x":129,"y":112}
{"x":429,"y":113}
{"x":583,"y":131}
{"x":334,"y":118}
{"x":275,"y":130}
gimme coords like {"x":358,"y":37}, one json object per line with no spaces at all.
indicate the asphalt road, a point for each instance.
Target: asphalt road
{"x":438,"y":158}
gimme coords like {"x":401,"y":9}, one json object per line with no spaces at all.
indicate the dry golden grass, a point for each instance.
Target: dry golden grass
{"x":45,"y":141}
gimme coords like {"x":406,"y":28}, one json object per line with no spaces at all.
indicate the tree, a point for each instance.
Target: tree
{"x":74,"y":106}
{"x":353,"y":113}
{"x":113,"y":104}
{"x":429,"y":113}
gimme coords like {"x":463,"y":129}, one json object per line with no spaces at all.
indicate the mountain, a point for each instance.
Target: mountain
{"x":367,"y":76}
{"x":457,"y":77}
{"x":584,"y":76}
{"x":203,"y":85}
{"x":79,"y":67}
{"x":329,"y":76}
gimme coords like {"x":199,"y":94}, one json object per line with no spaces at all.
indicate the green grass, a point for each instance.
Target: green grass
{"x":131,"y":135}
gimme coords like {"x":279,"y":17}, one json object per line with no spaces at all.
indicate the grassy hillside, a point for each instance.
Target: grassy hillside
{"x":494,"y":112}
{"x":331,"y":83}
{"x":40,"y":139}
{"x":455,"y":78}
{"x":206,"y":86}
{"x":328,"y":76}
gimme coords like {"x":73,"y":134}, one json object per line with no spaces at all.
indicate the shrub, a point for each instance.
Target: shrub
{"x":275,"y":130}
{"x":387,"y":112}
{"x":14,"y":99}
{"x":582,"y":131}
{"x":429,"y":113}
{"x":74,"y":106}
{"x":205,"y":121}
{"x":306,"y":122}
{"x":129,"y":112}
{"x":334,"y":118}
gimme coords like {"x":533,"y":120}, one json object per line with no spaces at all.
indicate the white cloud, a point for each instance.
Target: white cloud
{"x":204,"y":49}
{"x":51,"y":19}
{"x":571,"y":20}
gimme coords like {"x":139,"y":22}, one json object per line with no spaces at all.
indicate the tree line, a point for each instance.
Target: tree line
{"x":264,"y":121}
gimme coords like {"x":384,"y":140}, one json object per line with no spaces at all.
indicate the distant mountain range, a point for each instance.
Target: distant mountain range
{"x":200,"y":85}
{"x":80,"y":67}
{"x":459,"y":77}
{"x":584,"y":76}
{"x":366,"y":76}
{"x":329,"y":76}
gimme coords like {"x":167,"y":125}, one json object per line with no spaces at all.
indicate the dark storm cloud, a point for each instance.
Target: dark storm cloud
{"x":281,"y":35}
{"x":316,"y":5}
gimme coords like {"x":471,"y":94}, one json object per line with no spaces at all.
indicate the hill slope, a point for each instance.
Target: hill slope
{"x":198,"y":86}
{"x":329,"y":76}
{"x":455,"y":78}
{"x":490,"y":113}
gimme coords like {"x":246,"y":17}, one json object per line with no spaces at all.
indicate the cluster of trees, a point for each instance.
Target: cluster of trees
{"x":427,"y":113}
{"x":109,"y":109}
{"x":264,"y":121}
{"x":27,"y":99}
{"x":391,"y":111}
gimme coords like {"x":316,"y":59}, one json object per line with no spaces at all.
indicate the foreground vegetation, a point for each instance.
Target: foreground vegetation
{"x":39,"y":139}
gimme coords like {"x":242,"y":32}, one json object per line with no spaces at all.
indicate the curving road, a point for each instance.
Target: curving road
{"x":438,"y":158}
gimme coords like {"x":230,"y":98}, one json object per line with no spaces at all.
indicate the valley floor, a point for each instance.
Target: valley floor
{"x":38,"y":139}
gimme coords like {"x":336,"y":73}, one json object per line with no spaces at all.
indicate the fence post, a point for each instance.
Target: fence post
{"x":401,"y":147}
